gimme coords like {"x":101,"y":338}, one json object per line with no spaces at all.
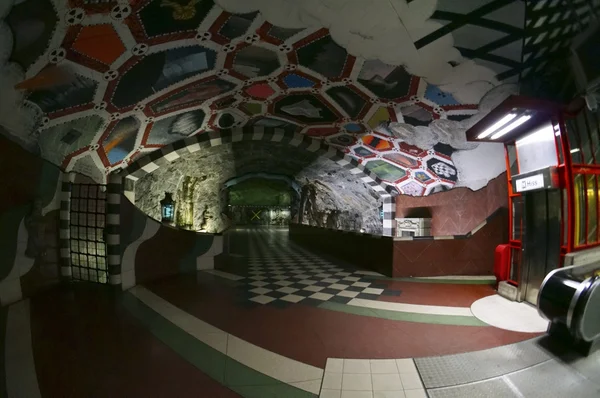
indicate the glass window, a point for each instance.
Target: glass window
{"x":595,"y":130}
{"x":565,"y":215}
{"x":517,"y":221}
{"x":512,"y":159}
{"x":594,"y":139}
{"x":537,"y":150}
{"x":574,"y":142}
{"x":592,"y":210}
{"x":584,"y":138}
{"x":580,"y":209}
{"x":515,"y":265}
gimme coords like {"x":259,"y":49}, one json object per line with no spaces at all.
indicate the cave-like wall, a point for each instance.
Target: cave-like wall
{"x":212,"y":167}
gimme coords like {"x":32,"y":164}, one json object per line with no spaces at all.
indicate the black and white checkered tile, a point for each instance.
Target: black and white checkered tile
{"x":295,"y":279}
{"x":286,"y":273}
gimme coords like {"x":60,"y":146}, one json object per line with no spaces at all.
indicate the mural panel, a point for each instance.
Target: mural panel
{"x":176,"y":127}
{"x":305,"y":109}
{"x":254,"y":61}
{"x":260,"y":90}
{"x":272,"y":122}
{"x":77,"y":90}
{"x":342,"y":140}
{"x":377,"y":143}
{"x":283,"y":33}
{"x":59,"y":141}
{"x":402,"y":160}
{"x":323,"y":56}
{"x":385,"y":81}
{"x":192,"y":95}
{"x":159,"y":71}
{"x":356,"y":95}
{"x":443,"y":170}
{"x":384,"y":170}
{"x":412,"y":188}
{"x":293,"y":80}
{"x":348,"y":100}
{"x":162,"y":17}
{"x":121,"y":139}
{"x":237,"y":25}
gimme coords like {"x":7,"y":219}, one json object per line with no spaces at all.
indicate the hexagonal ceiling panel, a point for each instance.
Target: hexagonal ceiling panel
{"x":108,"y":81}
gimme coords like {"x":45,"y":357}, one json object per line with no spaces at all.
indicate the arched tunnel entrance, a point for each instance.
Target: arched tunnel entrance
{"x":262,"y":199}
{"x":322,"y":188}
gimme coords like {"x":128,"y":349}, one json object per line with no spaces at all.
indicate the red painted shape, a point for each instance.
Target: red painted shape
{"x":411,"y":149}
{"x":260,"y":90}
{"x":100,"y":42}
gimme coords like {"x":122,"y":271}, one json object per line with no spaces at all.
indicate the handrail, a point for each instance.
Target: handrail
{"x":569,"y":296}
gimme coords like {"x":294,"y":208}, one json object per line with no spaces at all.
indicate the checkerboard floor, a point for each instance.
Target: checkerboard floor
{"x":279,"y":272}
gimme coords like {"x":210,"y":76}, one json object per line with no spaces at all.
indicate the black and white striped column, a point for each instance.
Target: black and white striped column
{"x":64,"y":225}
{"x":389,"y":215}
{"x":113,"y":228}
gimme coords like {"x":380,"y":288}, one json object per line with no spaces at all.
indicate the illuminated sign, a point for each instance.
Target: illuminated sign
{"x":530,"y":183}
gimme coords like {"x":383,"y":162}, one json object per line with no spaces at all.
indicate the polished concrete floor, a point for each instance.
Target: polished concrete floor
{"x":278,"y":321}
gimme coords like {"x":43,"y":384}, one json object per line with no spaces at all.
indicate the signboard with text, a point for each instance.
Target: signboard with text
{"x":530,"y":183}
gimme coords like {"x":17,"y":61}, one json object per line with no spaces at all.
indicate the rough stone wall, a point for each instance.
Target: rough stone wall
{"x":332,"y":198}
{"x":339,"y":197}
{"x":208,"y":202}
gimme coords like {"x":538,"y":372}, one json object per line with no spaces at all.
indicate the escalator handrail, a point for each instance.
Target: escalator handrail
{"x":583,"y":268}
{"x":594,"y":284}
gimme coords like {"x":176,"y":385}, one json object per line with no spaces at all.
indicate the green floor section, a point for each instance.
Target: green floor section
{"x":232,"y":374}
{"x":404,"y":316}
{"x":3,"y":316}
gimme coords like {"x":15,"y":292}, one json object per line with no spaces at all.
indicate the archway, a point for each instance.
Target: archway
{"x":172,"y":152}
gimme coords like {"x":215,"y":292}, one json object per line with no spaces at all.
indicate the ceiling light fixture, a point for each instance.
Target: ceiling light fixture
{"x":541,"y":135}
{"x":574,"y":150}
{"x":497,"y":125}
{"x":511,"y":127}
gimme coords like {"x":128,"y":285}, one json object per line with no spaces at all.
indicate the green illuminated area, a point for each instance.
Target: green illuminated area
{"x":260,"y":192}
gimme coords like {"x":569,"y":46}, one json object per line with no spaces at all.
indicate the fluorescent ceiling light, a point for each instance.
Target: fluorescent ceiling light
{"x":575,"y":150}
{"x":541,"y":135}
{"x":497,"y":125}
{"x":511,"y":126}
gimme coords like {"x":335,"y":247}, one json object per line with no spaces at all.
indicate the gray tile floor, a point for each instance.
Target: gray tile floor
{"x":530,"y":369}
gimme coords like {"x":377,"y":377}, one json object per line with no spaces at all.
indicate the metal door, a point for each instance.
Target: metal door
{"x":88,"y":246}
{"x":541,"y":243}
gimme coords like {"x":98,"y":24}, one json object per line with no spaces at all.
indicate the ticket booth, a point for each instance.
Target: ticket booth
{"x":552,"y":155}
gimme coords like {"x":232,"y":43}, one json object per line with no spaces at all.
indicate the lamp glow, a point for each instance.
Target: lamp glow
{"x":511,"y":127}
{"x":497,"y":125}
{"x":575,"y":150}
{"x":541,"y":135}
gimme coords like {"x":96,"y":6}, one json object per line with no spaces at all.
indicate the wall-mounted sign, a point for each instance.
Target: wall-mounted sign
{"x":530,"y":183}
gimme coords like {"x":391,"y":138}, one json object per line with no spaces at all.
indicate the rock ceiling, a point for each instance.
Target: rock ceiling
{"x":99,"y":83}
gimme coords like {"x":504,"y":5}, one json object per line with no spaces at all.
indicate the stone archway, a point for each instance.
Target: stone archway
{"x":176,"y":150}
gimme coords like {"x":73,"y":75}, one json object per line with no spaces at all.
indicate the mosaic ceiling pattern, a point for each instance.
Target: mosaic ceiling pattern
{"x":104,"y":82}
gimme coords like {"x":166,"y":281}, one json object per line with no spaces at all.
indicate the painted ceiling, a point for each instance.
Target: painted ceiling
{"x":95,"y":84}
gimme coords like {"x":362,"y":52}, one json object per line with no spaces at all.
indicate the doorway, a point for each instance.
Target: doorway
{"x":88,"y":246}
{"x":541,"y":240}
